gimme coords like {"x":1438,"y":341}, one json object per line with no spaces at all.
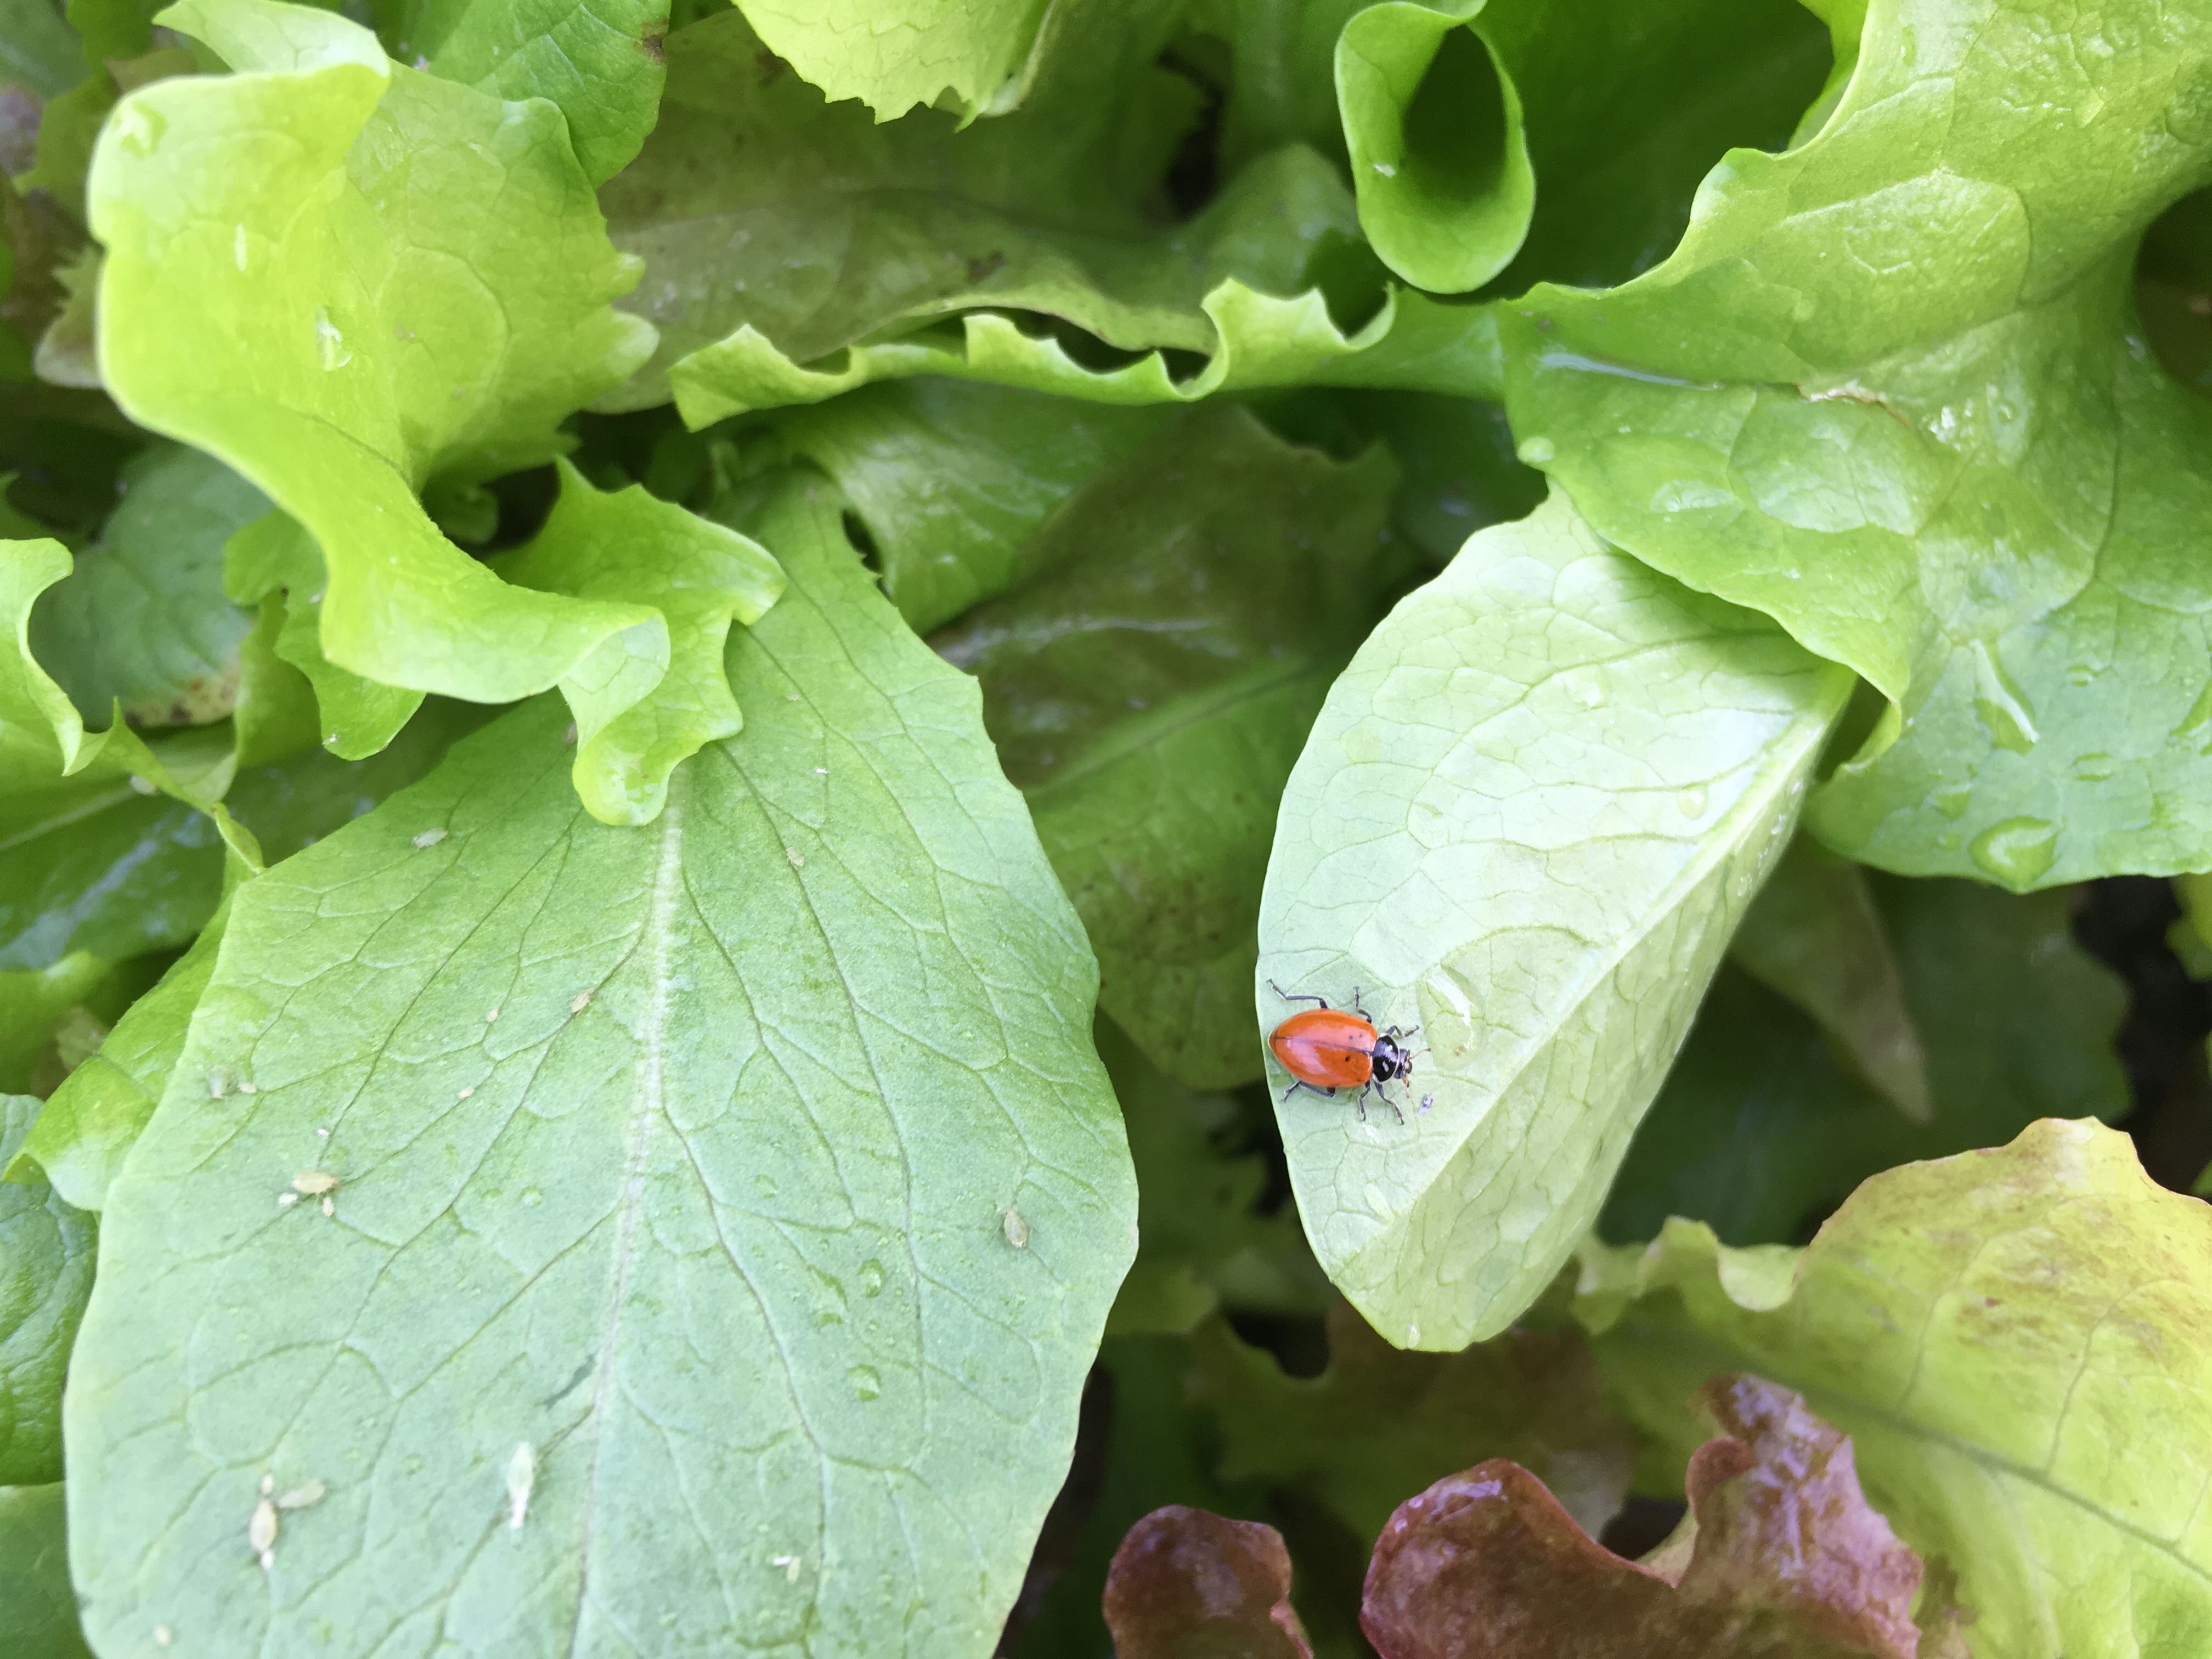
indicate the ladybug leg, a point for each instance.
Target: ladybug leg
{"x":1361,"y":1101}
{"x":1326,"y":1094}
{"x":1356,"y":1008}
{"x":1288,"y":997}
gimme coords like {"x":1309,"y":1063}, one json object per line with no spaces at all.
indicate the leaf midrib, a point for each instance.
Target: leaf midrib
{"x":646,"y":1110}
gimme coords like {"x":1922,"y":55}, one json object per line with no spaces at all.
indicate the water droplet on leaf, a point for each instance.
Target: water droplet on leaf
{"x":2017,"y":851}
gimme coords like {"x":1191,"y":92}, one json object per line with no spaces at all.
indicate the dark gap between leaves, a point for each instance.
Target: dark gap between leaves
{"x":2122,"y":921}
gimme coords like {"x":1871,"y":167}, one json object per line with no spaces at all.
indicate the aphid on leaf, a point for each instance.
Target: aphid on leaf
{"x":1326,"y":1049}
{"x":521,"y":1476}
{"x":261,"y":1534}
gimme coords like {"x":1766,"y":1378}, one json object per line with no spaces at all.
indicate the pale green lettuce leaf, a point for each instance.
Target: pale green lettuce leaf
{"x":272,"y":563}
{"x":753,"y":1171}
{"x":47,"y":1247}
{"x":1891,"y":390}
{"x":1761,"y":1131}
{"x":2015,"y":1341}
{"x":413,"y":282}
{"x":1813,"y":935}
{"x":1149,"y":690}
{"x":599,"y":60}
{"x":142,"y":619}
{"x":1439,"y":159}
{"x":965,"y":56}
{"x":1525,"y":823}
{"x":646,"y":699}
{"x":953,"y":481}
{"x":38,"y":1609}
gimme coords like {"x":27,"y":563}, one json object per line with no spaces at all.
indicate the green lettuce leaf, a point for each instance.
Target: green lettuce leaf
{"x":1760,"y":1131}
{"x":964,"y":55}
{"x":646,"y":699}
{"x":142,"y":619}
{"x":1149,"y":688}
{"x":1813,"y":935}
{"x":1532,"y":1397}
{"x":89,"y":1124}
{"x":794,"y":1083}
{"x":37,"y":47}
{"x":1525,"y":823}
{"x":2012,"y":1338}
{"x":1201,"y":1240}
{"x":33,"y":1005}
{"x":1627,"y":106}
{"x":38,"y":1609}
{"x":48,"y":1248}
{"x":407,"y":324}
{"x":952,"y":483}
{"x":601,"y":62}
{"x":1891,"y":390}
{"x":1440,"y":157}
{"x":795,"y":250}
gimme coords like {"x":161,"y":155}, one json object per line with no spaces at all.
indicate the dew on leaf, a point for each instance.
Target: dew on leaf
{"x":330,"y":349}
{"x":531,"y":1198}
{"x":1692,"y":801}
{"x":2095,"y":767}
{"x":2016,"y":851}
{"x":872,"y":1277}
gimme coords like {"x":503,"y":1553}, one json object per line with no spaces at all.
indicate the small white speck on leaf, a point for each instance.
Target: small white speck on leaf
{"x":218,"y":1082}
{"x":322,"y":1134}
{"x":316,"y":597}
{"x":1385,"y":168}
{"x":791,"y":697}
{"x":306,"y":1495}
{"x":492,"y":1016}
{"x":467,"y":1091}
{"x":1015,"y":1229}
{"x":797,"y":859}
{"x":790,"y":1564}
{"x":268,"y":1484}
{"x":163,"y":1635}
{"x":1427,"y":1101}
{"x":261,"y":1532}
{"x":333,"y":737}
{"x":578,"y":1002}
{"x":330,"y":1204}
{"x":568,"y":737}
{"x":285,"y":1198}
{"x":246,"y":1088}
{"x":431,"y":837}
{"x":313,"y":1183}
{"x":521,"y":1475}
{"x":1412,"y":1332}
{"x":821,"y":771}
{"x":143,"y":786}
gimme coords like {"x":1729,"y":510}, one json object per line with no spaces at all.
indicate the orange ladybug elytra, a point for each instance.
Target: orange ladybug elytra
{"x":1326,"y":1049}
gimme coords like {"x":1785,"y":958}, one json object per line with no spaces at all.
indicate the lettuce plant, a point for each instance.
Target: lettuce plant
{"x":684,"y":680}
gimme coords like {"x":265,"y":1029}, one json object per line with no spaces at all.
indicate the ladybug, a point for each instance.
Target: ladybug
{"x":1326,"y":1049}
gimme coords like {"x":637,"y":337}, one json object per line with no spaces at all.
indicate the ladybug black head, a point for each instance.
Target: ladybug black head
{"x":1391,"y":1060}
